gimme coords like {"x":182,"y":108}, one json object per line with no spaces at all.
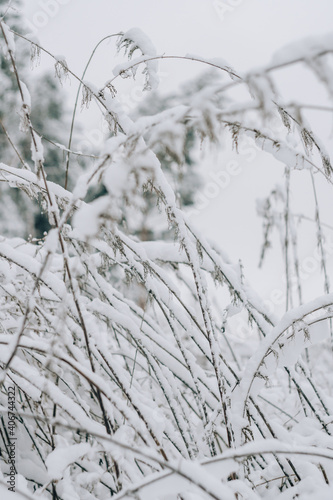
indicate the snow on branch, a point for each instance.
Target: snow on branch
{"x":143,"y":362}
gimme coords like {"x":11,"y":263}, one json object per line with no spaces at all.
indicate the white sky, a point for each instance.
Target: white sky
{"x":246,"y":36}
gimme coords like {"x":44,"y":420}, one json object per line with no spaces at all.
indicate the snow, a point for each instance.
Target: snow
{"x":51,"y":242}
{"x":134,"y":39}
{"x":242,"y":392}
{"x":31,"y":183}
{"x":26,"y":95}
{"x":123,"y":68}
{"x":138,"y":39}
{"x":37,"y":152}
{"x":281,"y":151}
{"x":64,"y":455}
{"x":89,"y":217}
{"x":115,"y":178}
{"x":307,"y":49}
{"x":121,"y":323}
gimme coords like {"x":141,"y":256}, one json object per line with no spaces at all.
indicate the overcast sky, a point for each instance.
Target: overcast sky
{"x":244,"y":32}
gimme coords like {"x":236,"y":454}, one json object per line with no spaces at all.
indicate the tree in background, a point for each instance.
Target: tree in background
{"x":162,"y":401}
{"x":21,"y":214}
{"x":178,"y":156}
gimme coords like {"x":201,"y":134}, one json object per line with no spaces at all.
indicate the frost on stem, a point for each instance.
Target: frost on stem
{"x":112,"y":89}
{"x":86,"y":96}
{"x":35,"y":55}
{"x":285,"y":118}
{"x":235,"y":129}
{"x":307,"y":140}
{"x":61,"y":69}
{"x":112,"y":121}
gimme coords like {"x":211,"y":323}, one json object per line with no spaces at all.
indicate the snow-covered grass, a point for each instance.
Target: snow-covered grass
{"x":128,"y":379}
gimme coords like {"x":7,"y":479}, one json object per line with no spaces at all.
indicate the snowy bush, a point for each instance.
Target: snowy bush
{"x":118,"y":358}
